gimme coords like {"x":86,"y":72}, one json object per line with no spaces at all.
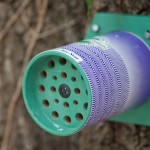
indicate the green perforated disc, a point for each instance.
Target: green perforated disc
{"x":57,"y":93}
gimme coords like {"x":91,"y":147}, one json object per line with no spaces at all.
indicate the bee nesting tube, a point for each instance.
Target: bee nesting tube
{"x":72,"y":87}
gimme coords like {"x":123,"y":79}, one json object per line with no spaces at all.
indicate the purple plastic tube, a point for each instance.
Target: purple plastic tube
{"x":117,"y":67}
{"x":77,"y":85}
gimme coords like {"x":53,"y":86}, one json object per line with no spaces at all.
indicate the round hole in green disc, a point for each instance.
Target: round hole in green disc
{"x":86,"y":92}
{"x":75,"y":102}
{"x":73,"y":67}
{"x":67,"y":119}
{"x":56,"y":101}
{"x":55,"y":114}
{"x":41,"y":88}
{"x":54,"y":77}
{"x":77,"y":90}
{"x":62,"y":61}
{"x":51,"y":64}
{"x":36,"y":89}
{"x":64,"y":75}
{"x":53,"y":89}
{"x":85,"y":106}
{"x":79,"y":116}
{"x":43,"y":74}
{"x":66,"y":105}
{"x":45,"y":103}
{"x":73,"y":79}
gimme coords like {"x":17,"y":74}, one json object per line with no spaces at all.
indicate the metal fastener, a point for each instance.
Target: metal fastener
{"x":147,"y":34}
{"x":95,"y":27}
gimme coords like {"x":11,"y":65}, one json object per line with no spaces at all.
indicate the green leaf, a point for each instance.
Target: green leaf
{"x":88,"y":3}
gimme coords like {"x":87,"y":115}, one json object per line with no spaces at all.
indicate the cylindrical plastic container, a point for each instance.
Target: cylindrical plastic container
{"x":72,"y":87}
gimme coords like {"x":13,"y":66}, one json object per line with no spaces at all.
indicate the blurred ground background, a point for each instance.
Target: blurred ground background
{"x":28,"y":27}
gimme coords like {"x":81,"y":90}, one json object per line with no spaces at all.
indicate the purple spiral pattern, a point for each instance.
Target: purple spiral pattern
{"x":106,"y":65}
{"x":107,"y":74}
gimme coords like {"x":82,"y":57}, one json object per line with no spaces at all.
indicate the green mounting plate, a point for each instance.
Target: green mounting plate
{"x":106,"y":22}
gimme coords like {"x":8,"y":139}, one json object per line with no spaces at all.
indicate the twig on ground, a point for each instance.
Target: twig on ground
{"x":13,"y":19}
{"x":57,"y":29}
{"x":15,"y":96}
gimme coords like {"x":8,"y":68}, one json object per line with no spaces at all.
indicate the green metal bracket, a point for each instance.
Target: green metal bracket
{"x":140,"y":25}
